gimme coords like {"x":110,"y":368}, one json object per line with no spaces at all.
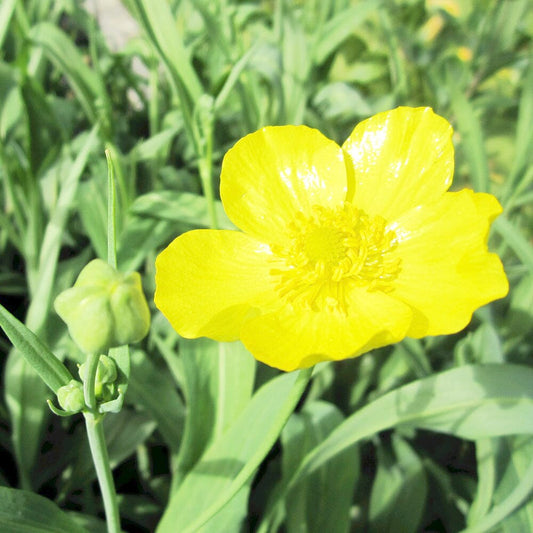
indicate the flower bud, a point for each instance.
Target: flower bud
{"x":70,"y":396}
{"x":106,"y":374}
{"x":107,"y":370}
{"x":105,"y":308}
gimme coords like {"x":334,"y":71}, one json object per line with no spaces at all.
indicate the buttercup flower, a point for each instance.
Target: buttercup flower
{"x":342,"y":250}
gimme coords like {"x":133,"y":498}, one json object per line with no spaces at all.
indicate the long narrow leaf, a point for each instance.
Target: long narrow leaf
{"x":230,"y":461}
{"x":53,"y":235}
{"x":157,"y":20}
{"x":472,"y":141}
{"x":25,"y":512}
{"x":7,"y":8}
{"x":51,"y":370}
{"x":469,"y":402}
{"x":64,"y":54}
{"x":340,"y":27}
{"x":516,"y":241}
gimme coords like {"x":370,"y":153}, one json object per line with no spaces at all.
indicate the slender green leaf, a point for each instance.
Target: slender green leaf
{"x":179,"y":207}
{"x":296,"y":57}
{"x":322,"y":501}
{"x":111,"y":211}
{"x":151,"y":388}
{"x":487,"y":458}
{"x":472,"y":142}
{"x":399,"y":491}
{"x":93,"y":215}
{"x":524,"y":132}
{"x":469,"y":402}
{"x":25,"y":390}
{"x":521,"y":491}
{"x":520,"y":453}
{"x":520,"y":314}
{"x":341,"y":26}
{"x":230,"y":461}
{"x":156,"y":19}
{"x":26,"y":512}
{"x":11,"y":102}
{"x":398,"y":63}
{"x":139,"y":239}
{"x":219,"y":379}
{"x":7,"y":8}
{"x":516,"y":241}
{"x":64,"y":54}
{"x":53,"y":235}
{"x":50,"y":369}
{"x":233,"y":78}
{"x":156,"y":144}
{"x":44,"y":132}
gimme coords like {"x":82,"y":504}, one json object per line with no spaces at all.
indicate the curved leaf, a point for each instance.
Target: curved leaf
{"x":25,"y":512}
{"x":470,"y":402}
{"x":228,"y":464}
{"x":51,"y":370}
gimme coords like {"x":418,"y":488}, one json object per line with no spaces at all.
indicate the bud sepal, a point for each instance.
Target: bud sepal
{"x":70,"y":398}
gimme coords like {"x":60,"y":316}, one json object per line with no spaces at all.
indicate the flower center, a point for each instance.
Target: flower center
{"x":330,"y":251}
{"x":324,"y":244}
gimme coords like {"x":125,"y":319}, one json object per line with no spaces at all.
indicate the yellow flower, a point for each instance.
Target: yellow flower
{"x":464,"y":53}
{"x":342,"y":250}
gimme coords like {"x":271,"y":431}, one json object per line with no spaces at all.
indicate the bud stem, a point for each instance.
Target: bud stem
{"x":97,"y":444}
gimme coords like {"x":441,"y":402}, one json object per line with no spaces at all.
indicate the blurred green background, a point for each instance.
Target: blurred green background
{"x":167,"y":105}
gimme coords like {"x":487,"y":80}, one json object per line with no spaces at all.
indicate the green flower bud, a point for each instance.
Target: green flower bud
{"x":107,"y":370}
{"x":105,"y":308}
{"x":106,"y":374}
{"x":70,"y":396}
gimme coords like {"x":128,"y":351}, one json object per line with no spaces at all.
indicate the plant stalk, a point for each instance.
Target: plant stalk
{"x":97,"y":444}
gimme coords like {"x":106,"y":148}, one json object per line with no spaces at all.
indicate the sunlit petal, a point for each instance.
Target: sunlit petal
{"x":270,"y":175}
{"x":446,"y":270}
{"x":209,"y":281}
{"x":297,"y":338}
{"x":402,"y":158}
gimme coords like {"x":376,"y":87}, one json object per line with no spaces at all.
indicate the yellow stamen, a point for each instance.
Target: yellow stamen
{"x":331,"y":251}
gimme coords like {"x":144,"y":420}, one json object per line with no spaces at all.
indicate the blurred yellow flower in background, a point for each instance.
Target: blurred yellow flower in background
{"x":342,"y":249}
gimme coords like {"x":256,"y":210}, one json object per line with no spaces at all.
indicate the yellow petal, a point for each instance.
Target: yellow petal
{"x":208,"y":281}
{"x":401,"y":158}
{"x":294,"y":338}
{"x":446,"y":269}
{"x":277,"y":171}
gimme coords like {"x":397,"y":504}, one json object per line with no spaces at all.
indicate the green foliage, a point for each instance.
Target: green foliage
{"x":431,"y":434}
{"x":25,"y":512}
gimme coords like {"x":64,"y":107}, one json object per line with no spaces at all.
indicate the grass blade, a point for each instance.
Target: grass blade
{"x":469,"y":402}
{"x":64,"y":54}
{"x":25,"y":512}
{"x":51,"y":370}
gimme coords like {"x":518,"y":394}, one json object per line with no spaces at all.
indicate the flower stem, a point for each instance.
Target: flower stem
{"x":205,"y":168}
{"x":97,"y":444}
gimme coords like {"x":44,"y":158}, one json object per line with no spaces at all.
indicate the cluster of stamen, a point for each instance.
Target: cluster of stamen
{"x":330,"y":251}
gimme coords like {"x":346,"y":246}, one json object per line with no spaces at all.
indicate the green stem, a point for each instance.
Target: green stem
{"x":97,"y":444}
{"x":88,"y":381}
{"x":111,"y":211}
{"x":205,"y":168}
